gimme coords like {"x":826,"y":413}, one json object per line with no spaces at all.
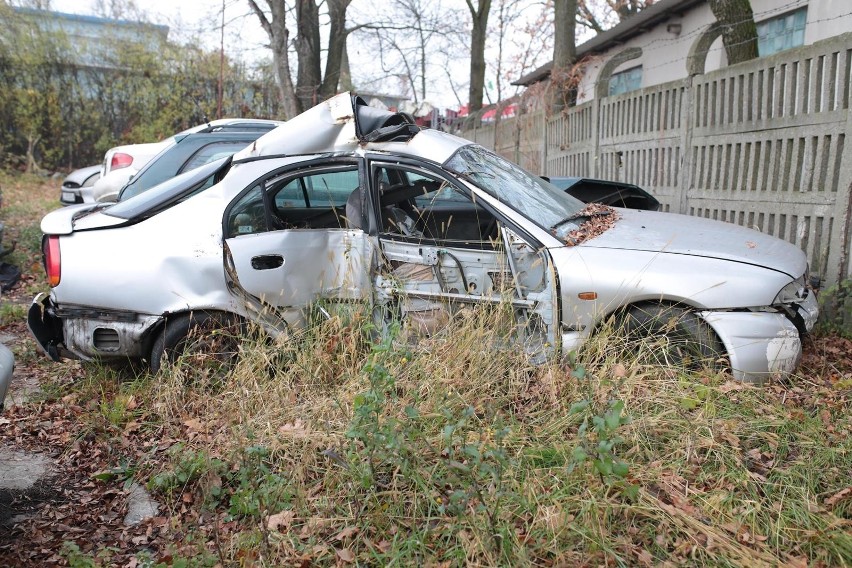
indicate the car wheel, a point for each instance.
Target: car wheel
{"x":670,"y":335}
{"x":204,"y":344}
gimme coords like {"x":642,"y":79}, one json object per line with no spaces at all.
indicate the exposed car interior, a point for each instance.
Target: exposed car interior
{"x":413,"y":204}
{"x":417,"y":204}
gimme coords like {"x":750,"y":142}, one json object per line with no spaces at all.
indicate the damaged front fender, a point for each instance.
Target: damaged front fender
{"x":760,"y":345}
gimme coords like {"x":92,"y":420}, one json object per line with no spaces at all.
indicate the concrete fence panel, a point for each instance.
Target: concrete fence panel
{"x":761,"y":144}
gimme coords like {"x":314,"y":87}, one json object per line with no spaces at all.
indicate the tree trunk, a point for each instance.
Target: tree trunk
{"x":336,"y":47}
{"x":345,"y":83}
{"x":32,"y":142}
{"x":279,"y":38}
{"x":564,"y":51}
{"x":479,"y":16}
{"x":739,"y":32}
{"x":308,"y":78}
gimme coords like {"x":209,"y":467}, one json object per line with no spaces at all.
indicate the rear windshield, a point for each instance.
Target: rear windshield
{"x":171,"y":191}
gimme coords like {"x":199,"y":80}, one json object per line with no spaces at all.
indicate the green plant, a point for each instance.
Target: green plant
{"x":124,"y":471}
{"x":77,"y":558}
{"x":11,"y":313}
{"x":188,"y":466}
{"x":598,"y":432}
{"x":373,"y":424}
{"x":476,"y":465}
{"x":258,"y":490}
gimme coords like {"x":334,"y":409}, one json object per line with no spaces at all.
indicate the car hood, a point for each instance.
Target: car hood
{"x":670,"y":233}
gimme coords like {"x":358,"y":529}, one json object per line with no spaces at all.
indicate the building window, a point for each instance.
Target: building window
{"x":782,"y":32}
{"x":625,"y":81}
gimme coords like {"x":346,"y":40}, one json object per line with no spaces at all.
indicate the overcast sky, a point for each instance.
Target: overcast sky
{"x":200,"y":20}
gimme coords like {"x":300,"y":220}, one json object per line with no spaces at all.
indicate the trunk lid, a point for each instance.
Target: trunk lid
{"x":76,"y":218}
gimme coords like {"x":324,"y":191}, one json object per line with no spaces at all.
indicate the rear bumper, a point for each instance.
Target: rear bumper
{"x":45,"y":327}
{"x":86,"y":333}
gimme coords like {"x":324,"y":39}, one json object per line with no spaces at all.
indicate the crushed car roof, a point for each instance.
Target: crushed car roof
{"x":343,"y":124}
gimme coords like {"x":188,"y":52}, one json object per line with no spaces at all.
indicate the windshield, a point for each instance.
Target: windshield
{"x":170,"y":191}
{"x":541,"y":202}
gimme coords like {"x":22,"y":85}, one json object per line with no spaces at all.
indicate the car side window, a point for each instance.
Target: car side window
{"x":291,"y":195}
{"x":306,"y":200}
{"x":446,"y":195}
{"x":330,"y":189}
{"x":248,"y":215}
{"x":210,"y":152}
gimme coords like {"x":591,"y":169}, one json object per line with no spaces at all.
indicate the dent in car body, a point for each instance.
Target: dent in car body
{"x":127,"y":338}
{"x":330,"y":264}
{"x":760,"y":345}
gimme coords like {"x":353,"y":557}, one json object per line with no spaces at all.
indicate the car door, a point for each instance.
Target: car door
{"x":288,"y":242}
{"x":443,"y":249}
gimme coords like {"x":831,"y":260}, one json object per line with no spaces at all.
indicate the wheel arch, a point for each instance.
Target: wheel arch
{"x":157,"y":329}
{"x":621,"y":310}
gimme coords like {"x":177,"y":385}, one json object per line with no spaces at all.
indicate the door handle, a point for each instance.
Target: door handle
{"x":267,"y":261}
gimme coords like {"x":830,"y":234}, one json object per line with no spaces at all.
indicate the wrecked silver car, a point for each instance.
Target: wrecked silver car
{"x":349,"y":203}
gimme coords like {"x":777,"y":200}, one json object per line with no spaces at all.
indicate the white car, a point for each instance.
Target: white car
{"x":346,"y":203}
{"x":123,"y":162}
{"x":120,"y":164}
{"x":73,"y":184}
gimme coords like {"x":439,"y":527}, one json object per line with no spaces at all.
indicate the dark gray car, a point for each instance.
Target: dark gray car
{"x":614,"y":193}
{"x":222,"y":138}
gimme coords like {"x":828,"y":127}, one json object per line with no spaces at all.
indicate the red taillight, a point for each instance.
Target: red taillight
{"x":52,"y":264}
{"x":120,"y":160}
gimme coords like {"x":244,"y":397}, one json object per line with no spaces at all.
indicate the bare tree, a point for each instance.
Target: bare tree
{"x":531,"y":40}
{"x":564,"y":49}
{"x":279,"y":41}
{"x":739,"y":32}
{"x":600,"y":15}
{"x":118,"y":9}
{"x":507,"y":14}
{"x":308,"y":78}
{"x":479,"y":15}
{"x":337,"y":53}
{"x":407,"y":38}
{"x":311,"y":86}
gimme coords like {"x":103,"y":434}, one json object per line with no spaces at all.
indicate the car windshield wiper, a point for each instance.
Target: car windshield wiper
{"x":585,"y":213}
{"x":582,"y":214}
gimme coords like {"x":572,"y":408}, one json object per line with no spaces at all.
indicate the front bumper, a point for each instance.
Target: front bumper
{"x":762,"y":344}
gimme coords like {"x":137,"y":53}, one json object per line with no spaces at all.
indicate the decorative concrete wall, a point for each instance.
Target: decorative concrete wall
{"x":761,"y":144}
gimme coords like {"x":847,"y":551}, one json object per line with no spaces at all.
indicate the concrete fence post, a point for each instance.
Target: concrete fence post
{"x":684,"y":180}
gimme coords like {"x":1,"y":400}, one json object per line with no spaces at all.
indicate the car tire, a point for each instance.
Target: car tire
{"x":671,"y":335}
{"x":208,"y":341}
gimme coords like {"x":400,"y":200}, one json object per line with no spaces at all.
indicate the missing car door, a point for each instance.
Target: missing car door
{"x":445,"y":253}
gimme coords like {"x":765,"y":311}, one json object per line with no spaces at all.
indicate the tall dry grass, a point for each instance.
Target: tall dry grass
{"x":457,"y":448}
